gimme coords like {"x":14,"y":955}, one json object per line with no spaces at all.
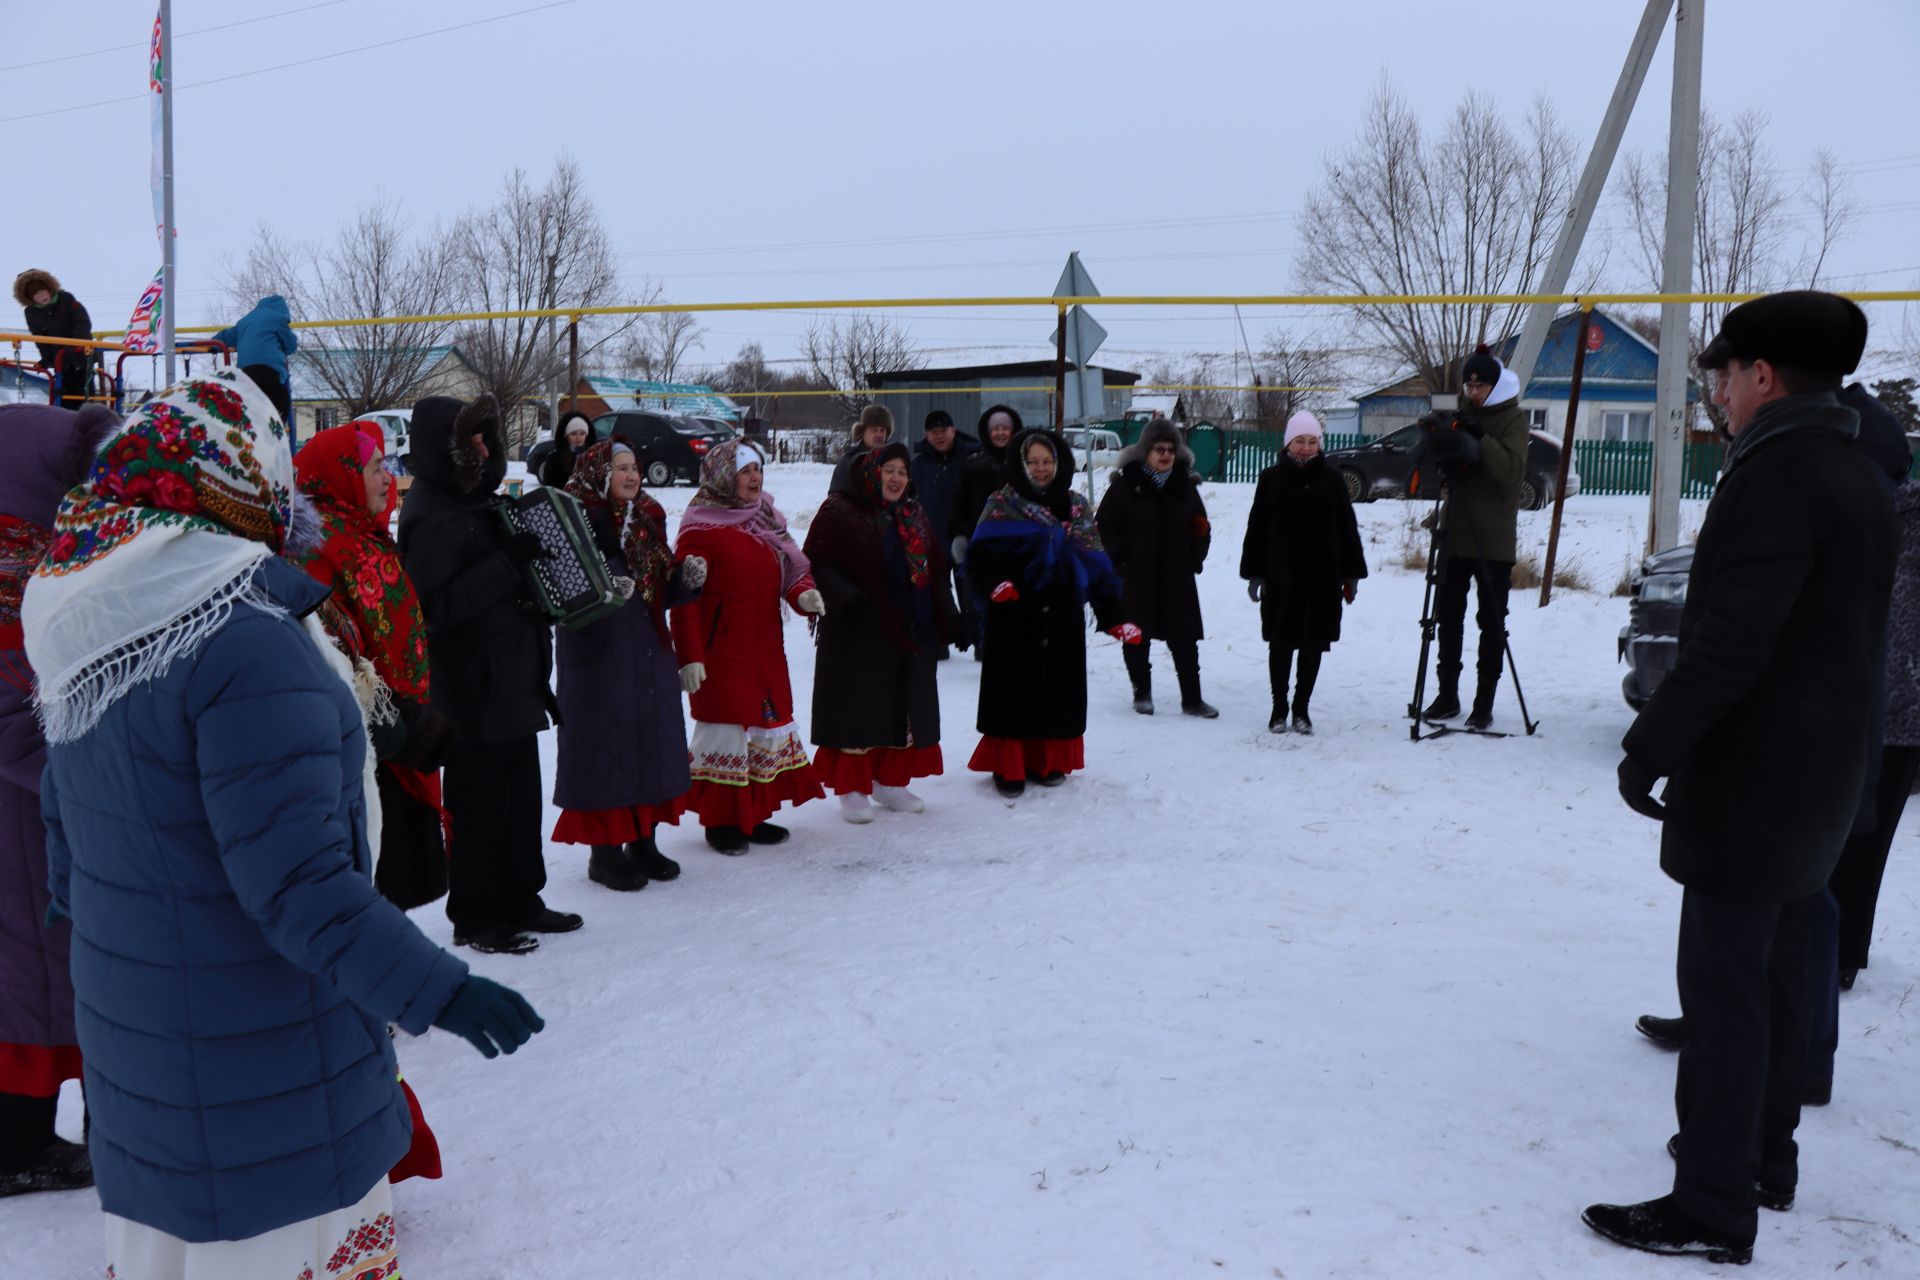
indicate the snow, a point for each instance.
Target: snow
{"x":1226,"y":1004}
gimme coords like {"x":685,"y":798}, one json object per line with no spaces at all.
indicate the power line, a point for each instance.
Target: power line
{"x":178,"y":35}
{"x":302,"y":62}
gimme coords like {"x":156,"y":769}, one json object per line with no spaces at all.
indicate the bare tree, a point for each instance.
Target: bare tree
{"x":658,"y":346}
{"x":1296,"y":376}
{"x":370,"y":268}
{"x":1473,"y":210}
{"x":536,"y":250}
{"x":1744,"y":226}
{"x":841,"y":351}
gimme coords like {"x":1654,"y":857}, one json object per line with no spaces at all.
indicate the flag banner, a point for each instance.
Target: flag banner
{"x":154,"y":83}
{"x":143,"y":331}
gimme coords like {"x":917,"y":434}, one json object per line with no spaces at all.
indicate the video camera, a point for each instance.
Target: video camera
{"x":1447,"y":446}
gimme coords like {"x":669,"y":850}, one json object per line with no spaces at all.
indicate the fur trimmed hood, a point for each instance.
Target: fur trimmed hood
{"x":1157,"y":431}
{"x":32,"y":281}
{"x":440,"y":446}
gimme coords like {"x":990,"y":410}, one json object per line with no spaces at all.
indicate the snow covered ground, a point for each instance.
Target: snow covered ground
{"x":1226,"y":1004}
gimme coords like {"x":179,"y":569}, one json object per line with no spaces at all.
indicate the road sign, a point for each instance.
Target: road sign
{"x":1074,"y":281}
{"x":1086,"y":395}
{"x":1084,"y":336}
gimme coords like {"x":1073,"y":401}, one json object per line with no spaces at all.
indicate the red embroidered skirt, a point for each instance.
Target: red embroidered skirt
{"x":37,"y":1070}
{"x":617,"y":826}
{"x":741,"y":776}
{"x":1028,"y":757}
{"x":855,"y":773}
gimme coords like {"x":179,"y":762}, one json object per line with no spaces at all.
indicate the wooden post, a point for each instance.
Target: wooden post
{"x":1566,"y":454}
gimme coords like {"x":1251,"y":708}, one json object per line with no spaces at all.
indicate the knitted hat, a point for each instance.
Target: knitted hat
{"x":1304,"y":424}
{"x":1481,"y":366}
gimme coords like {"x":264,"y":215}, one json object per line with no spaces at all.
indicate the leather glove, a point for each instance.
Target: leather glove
{"x":492,"y":1018}
{"x":1349,"y":589}
{"x":1005,"y":593}
{"x":810,"y":602}
{"x":1636,"y":788}
{"x":523,"y":549}
{"x":958,"y":549}
{"x":1126,"y":633}
{"x":693,"y":572}
{"x":692,"y":676}
{"x":1256,"y":587}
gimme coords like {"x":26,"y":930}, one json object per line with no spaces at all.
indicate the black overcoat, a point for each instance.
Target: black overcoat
{"x":1157,"y":537}
{"x":1304,"y":544}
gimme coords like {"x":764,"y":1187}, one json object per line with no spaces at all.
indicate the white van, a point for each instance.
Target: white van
{"x":1093,"y":447}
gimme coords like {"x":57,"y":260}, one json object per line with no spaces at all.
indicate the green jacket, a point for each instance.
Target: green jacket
{"x":1483,"y":502}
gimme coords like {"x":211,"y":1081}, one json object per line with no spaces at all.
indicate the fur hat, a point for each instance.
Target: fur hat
{"x":1304,"y":424}
{"x":1822,"y":333}
{"x":1481,"y":366}
{"x":874,"y":415}
{"x":32,"y":281}
{"x":1159,"y":430}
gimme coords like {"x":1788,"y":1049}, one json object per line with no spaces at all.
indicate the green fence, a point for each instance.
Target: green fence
{"x":1626,"y":466}
{"x":1245,"y":454}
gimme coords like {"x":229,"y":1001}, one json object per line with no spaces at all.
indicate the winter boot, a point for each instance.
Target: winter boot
{"x":728,"y":840}
{"x":647,"y":857}
{"x":898,"y":799}
{"x":57,"y":1166}
{"x":1301,"y":724}
{"x":1142,"y":703}
{"x":768,"y":833}
{"x":1053,"y":779}
{"x":1140,"y":674}
{"x":1191,"y":703}
{"x":547,"y":920}
{"x":1662,"y":1226}
{"x":1009,"y":787}
{"x":1668,"y":1033}
{"x":612,"y":866}
{"x":1481,"y":717}
{"x":856,"y":808}
{"x":498,"y":942}
{"x":1277,"y":722}
{"x":1446,"y":703}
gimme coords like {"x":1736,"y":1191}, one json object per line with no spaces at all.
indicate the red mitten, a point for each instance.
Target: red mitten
{"x":1349,"y":589}
{"x":1126,"y":633}
{"x":1005,"y":593}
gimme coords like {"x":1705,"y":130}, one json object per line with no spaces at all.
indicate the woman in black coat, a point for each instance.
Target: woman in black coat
{"x":622,"y":767}
{"x":876,"y":695}
{"x":1301,"y":559}
{"x":1035,"y":563}
{"x":570,"y":440}
{"x":980,"y":475}
{"x":1154,"y":526}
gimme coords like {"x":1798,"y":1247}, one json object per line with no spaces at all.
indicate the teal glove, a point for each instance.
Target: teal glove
{"x":486,"y":1014}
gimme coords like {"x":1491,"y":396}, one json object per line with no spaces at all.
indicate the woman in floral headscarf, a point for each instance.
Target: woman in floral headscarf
{"x":876,"y":692}
{"x":374,"y":614}
{"x":747,"y":758}
{"x":234,"y":967}
{"x":623,"y":743}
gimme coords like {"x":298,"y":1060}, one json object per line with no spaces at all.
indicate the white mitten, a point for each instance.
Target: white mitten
{"x":693,"y":572}
{"x":692,"y":676}
{"x":624,"y":586}
{"x":810,"y":602}
{"x":958,"y":550}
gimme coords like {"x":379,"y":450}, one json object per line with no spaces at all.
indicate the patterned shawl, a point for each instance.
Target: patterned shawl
{"x":23,"y":545}
{"x":152,"y":551}
{"x":715,"y":507}
{"x":357,"y":558}
{"x":909,"y":519}
{"x":640,"y":524}
{"x":1055,"y":547}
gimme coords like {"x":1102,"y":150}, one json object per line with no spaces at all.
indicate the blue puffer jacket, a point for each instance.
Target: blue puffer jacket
{"x":234,"y":967}
{"x":263,"y":336}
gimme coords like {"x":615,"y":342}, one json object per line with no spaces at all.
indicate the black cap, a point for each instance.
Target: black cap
{"x":939,"y":418}
{"x":1822,"y":333}
{"x":1481,"y":366}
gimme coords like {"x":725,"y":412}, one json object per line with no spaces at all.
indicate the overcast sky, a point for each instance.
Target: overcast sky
{"x":846,"y":150}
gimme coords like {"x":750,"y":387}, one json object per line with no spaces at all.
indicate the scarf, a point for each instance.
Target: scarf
{"x":641,"y":525}
{"x":23,"y":545}
{"x":715,"y":507}
{"x":908,"y":518}
{"x":356,"y":556}
{"x":1056,"y":550}
{"x":151,"y":551}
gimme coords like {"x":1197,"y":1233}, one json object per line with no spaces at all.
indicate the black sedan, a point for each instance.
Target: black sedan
{"x":669,"y":446}
{"x":1381,"y":468}
{"x":1650,"y":642}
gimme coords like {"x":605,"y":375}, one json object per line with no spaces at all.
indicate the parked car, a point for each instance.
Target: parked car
{"x":1093,"y":447}
{"x":669,"y":446}
{"x":1650,"y":642}
{"x":396,"y":425}
{"x":1381,"y":468}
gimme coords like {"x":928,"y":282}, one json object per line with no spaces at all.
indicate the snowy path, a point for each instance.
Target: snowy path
{"x":1224,"y":1005}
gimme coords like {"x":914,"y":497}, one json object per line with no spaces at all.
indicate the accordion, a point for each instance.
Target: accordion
{"x":573,"y":585}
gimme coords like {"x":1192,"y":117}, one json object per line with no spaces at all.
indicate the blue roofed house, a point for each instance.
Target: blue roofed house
{"x":596,"y":395}
{"x":1616,"y":388}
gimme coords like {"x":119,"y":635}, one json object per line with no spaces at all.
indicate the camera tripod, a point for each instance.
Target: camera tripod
{"x":1422,"y":729}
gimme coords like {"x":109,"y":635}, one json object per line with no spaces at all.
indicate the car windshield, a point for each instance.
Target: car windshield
{"x":1403,"y":438}
{"x":688,"y":427}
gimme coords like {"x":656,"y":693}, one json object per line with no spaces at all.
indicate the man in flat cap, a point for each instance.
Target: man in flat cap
{"x":1761,"y":730}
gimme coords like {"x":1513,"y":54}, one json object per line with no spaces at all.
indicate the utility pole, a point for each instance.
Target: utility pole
{"x":1676,"y":276}
{"x":1593,"y":182}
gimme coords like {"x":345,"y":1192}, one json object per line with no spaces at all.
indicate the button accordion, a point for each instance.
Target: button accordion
{"x":573,"y":586}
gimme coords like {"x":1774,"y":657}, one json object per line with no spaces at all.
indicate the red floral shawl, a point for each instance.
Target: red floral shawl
{"x":357,"y":558}
{"x":641,"y":525}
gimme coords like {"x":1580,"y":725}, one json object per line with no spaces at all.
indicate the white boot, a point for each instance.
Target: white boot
{"x":898,"y":799}
{"x":855,"y":808}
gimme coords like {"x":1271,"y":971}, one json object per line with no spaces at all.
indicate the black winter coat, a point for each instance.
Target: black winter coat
{"x":983,"y":472}
{"x":1762,"y":726}
{"x":1033,"y":677}
{"x":623,"y":739}
{"x":490,"y":652}
{"x":936,"y":479}
{"x":64,"y":317}
{"x":875,"y":680}
{"x":1304,"y":544}
{"x":557,"y":467}
{"x":1157,"y":537}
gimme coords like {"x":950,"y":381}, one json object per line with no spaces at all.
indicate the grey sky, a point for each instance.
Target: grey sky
{"x":843,"y":149}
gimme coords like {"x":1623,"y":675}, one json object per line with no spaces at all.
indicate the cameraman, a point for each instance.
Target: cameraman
{"x":1482,"y":455}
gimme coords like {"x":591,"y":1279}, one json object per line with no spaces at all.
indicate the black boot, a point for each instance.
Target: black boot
{"x":1481,"y":717}
{"x":1191,"y":703}
{"x":498,"y":942}
{"x":1277,"y":722}
{"x":647,"y":857}
{"x":1668,"y":1033}
{"x":547,"y":920}
{"x":1662,"y":1226}
{"x":1302,"y":723}
{"x":727,"y":840}
{"x":32,"y":1158}
{"x":1010,"y":787}
{"x":1446,"y":703}
{"x":768,"y":833}
{"x":611,"y":865}
{"x":1140,"y":675}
